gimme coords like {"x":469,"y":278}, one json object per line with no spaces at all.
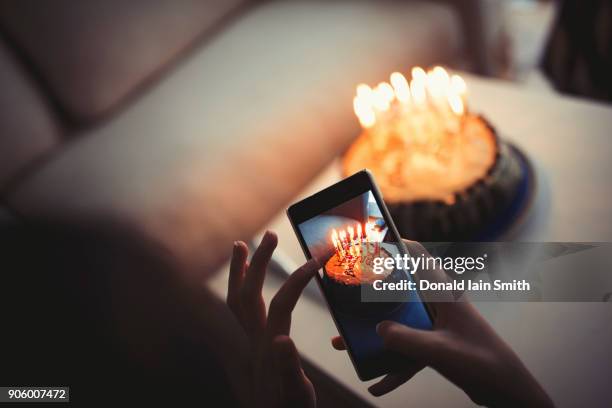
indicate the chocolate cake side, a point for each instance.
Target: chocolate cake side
{"x":473,"y":210}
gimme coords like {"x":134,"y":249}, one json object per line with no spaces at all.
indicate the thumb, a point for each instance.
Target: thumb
{"x":419,"y":345}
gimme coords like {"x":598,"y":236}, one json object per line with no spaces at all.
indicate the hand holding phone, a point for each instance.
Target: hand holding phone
{"x":465,"y":349}
{"x":462,"y":346}
{"x":347,"y":227}
{"x":399,"y":340}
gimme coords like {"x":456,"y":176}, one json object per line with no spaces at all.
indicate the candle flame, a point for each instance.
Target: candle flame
{"x":400,"y":86}
{"x":456,"y":104}
{"x":438,"y":83}
{"x":387,"y":91}
{"x":381,"y":97}
{"x":417,"y":91}
{"x":434,"y":89}
{"x":458,"y":85}
{"x":364,"y":91}
{"x":419,"y":73}
{"x":441,"y":73}
{"x":363,"y":110}
{"x":351,"y":242}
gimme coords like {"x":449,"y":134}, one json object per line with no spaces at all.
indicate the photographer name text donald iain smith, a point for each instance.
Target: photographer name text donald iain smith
{"x":479,"y":285}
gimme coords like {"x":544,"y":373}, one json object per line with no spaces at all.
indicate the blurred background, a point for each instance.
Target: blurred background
{"x":189,"y":124}
{"x":150,"y":113}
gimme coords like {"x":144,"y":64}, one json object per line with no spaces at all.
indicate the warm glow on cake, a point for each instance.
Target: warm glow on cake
{"x":419,"y":139}
{"x":354,"y":250}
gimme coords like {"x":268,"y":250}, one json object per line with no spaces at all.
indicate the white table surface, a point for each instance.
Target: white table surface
{"x":568,"y":346}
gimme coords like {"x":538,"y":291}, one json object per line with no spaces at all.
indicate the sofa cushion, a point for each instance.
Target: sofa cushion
{"x":220,"y":146}
{"x":93,"y":54}
{"x":28,"y":129}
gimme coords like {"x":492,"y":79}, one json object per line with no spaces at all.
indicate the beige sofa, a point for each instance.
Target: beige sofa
{"x":194,"y":122}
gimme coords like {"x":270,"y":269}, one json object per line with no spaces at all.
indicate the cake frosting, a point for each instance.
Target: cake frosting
{"x":409,"y":170}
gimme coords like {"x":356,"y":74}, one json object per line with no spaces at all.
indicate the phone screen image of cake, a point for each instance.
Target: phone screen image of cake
{"x":347,"y":239}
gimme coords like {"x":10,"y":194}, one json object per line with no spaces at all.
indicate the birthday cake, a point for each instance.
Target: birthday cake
{"x":444,"y":173}
{"x":356,"y":270}
{"x":350,"y":268}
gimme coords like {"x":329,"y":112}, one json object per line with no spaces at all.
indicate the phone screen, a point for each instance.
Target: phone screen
{"x":346,"y":238}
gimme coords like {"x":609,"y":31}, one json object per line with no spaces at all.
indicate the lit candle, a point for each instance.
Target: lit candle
{"x":359,"y":239}
{"x":406,"y":113}
{"x":343,"y":239}
{"x":337,"y":245}
{"x":419,"y":112}
{"x":363,"y":108}
{"x":401,"y":88}
{"x":417,"y":127}
{"x":381,"y":98}
{"x":456,"y":105}
{"x":460,"y":88}
{"x":423,"y":120}
{"x":438,"y":88}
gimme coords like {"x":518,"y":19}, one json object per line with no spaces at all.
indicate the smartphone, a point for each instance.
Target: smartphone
{"x":346,"y":226}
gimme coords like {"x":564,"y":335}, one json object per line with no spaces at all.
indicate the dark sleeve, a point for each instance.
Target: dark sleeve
{"x":104,"y":313}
